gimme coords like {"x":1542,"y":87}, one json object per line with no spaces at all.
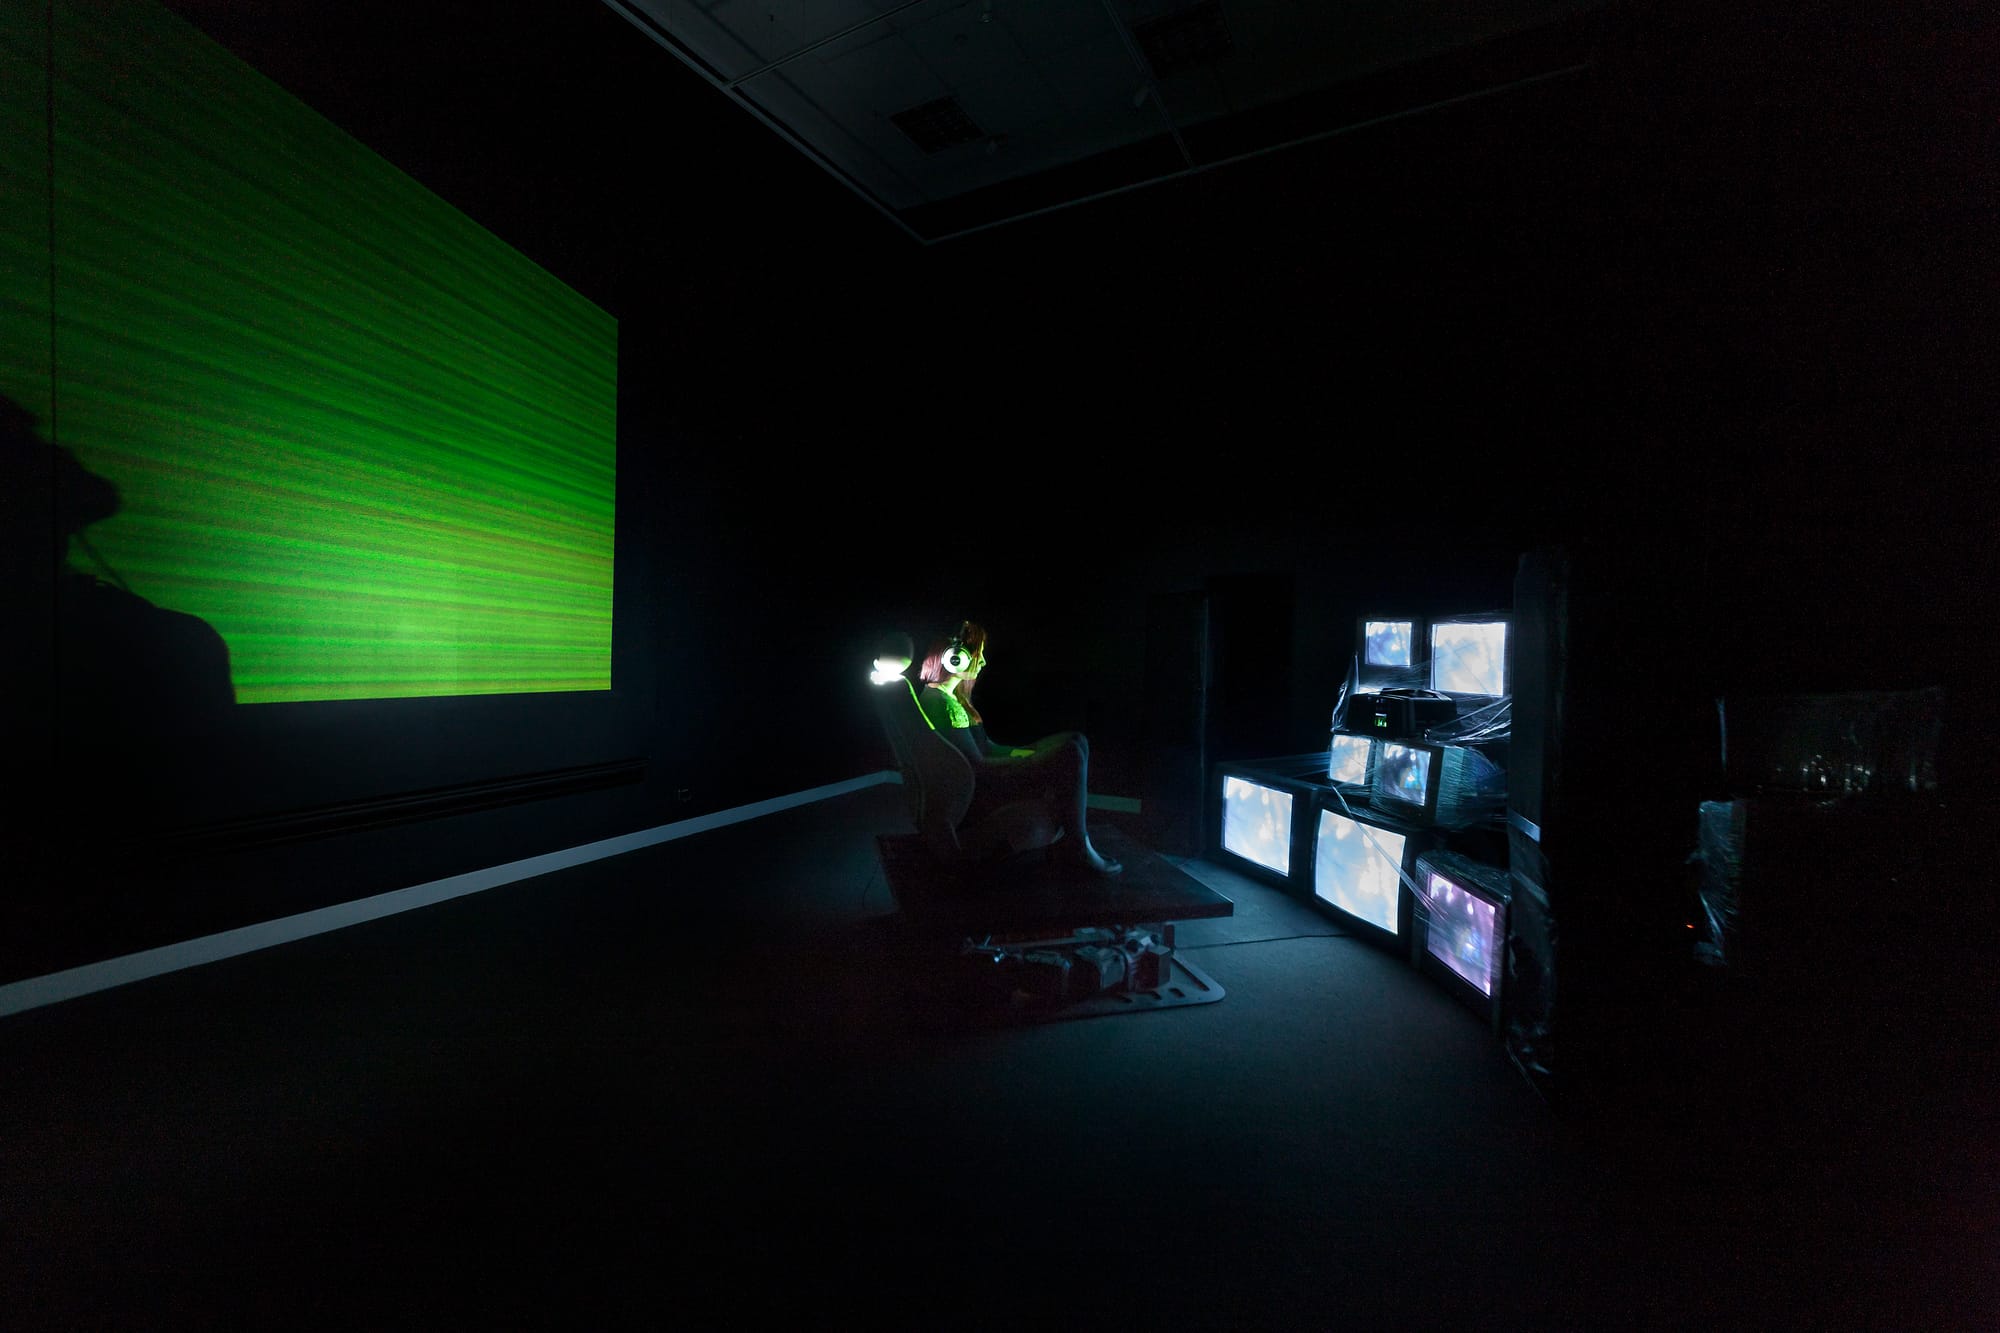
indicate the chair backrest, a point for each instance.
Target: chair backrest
{"x":937,"y":779}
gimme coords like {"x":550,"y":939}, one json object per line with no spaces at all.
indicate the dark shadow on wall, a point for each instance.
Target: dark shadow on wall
{"x":121,"y":698}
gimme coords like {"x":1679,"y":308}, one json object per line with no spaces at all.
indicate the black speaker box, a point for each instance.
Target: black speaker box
{"x":1398,"y":714}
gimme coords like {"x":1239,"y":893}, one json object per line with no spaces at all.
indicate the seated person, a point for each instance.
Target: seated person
{"x":1055,"y":768}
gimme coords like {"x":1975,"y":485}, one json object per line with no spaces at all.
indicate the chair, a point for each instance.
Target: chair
{"x":986,"y":895}
{"x":938,"y":783}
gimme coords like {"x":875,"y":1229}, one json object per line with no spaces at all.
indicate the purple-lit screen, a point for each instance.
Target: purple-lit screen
{"x":1464,"y":933}
{"x":1348,"y":761}
{"x":1357,"y":867}
{"x":1404,"y":772}
{"x":1257,"y":823}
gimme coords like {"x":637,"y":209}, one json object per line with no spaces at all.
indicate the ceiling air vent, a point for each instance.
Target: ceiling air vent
{"x":1185,"y":39}
{"x":936,"y":126}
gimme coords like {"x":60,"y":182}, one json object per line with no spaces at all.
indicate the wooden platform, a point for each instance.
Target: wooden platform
{"x":1045,"y":898}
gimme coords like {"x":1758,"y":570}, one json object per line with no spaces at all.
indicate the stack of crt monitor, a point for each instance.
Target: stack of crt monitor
{"x":1346,"y":835}
{"x":1394,"y":883}
{"x":1459,"y":938}
{"x":1412,"y":778}
{"x":1428,"y":783}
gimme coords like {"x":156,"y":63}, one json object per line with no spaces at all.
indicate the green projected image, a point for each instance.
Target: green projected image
{"x":367,"y":442}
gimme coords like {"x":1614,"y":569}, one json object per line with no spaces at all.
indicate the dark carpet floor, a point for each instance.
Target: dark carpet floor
{"x":706,"y":1085}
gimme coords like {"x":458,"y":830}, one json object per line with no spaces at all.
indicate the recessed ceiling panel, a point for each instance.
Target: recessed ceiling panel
{"x":955,"y":115}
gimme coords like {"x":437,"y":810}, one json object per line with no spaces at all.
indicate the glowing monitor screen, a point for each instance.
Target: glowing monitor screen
{"x":1386,"y":642}
{"x":1347,"y":762}
{"x":1464,"y":932}
{"x":1403,"y":773}
{"x":358,"y":435}
{"x":1257,"y":823}
{"x":1358,"y":868}
{"x":1469,"y":657}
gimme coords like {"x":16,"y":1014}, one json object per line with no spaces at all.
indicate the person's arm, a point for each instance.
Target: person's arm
{"x":993,"y":749}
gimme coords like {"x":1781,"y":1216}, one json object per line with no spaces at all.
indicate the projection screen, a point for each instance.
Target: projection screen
{"x":363,"y":439}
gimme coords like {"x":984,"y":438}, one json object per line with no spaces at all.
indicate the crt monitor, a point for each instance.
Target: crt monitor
{"x":1350,"y":760}
{"x":1469,"y":657}
{"x":1408,"y":777}
{"x":1391,"y":650}
{"x":1259,"y":813}
{"x":1358,"y":869}
{"x":1434,"y":783}
{"x":1460,"y":939}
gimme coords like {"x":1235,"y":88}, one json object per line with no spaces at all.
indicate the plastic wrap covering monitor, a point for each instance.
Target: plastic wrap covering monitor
{"x":1528,"y":1025}
{"x":1451,"y":786}
{"x":1453,"y":776}
{"x":1421,"y":755}
{"x":1809,"y":896}
{"x":1718,"y":857}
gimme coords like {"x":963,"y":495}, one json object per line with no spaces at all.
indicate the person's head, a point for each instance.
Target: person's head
{"x":956,"y":658}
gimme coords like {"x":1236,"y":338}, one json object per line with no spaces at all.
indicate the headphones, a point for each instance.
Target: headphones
{"x":957,"y":656}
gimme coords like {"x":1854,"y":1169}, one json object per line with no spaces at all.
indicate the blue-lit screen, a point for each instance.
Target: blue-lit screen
{"x":1357,"y":867}
{"x":1404,"y":772}
{"x":1386,"y":642}
{"x":1257,"y":823}
{"x":1347,"y":760}
{"x":1469,"y":657}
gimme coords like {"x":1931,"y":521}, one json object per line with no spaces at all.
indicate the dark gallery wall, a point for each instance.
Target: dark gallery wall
{"x":757,"y":550}
{"x":1709,"y":314}
{"x":1713,"y":312}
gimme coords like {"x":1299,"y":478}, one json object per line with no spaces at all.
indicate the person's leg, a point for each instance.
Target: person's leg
{"x":1065,"y":762}
{"x":1058,"y":772}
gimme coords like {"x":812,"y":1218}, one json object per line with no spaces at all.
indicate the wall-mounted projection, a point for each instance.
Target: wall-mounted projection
{"x":363,"y":439}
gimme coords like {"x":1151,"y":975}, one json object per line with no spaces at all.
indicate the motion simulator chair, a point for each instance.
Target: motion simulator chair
{"x":938,"y":784}
{"x":987,"y":888}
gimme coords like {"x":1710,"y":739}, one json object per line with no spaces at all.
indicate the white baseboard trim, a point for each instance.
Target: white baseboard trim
{"x":36,"y":992}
